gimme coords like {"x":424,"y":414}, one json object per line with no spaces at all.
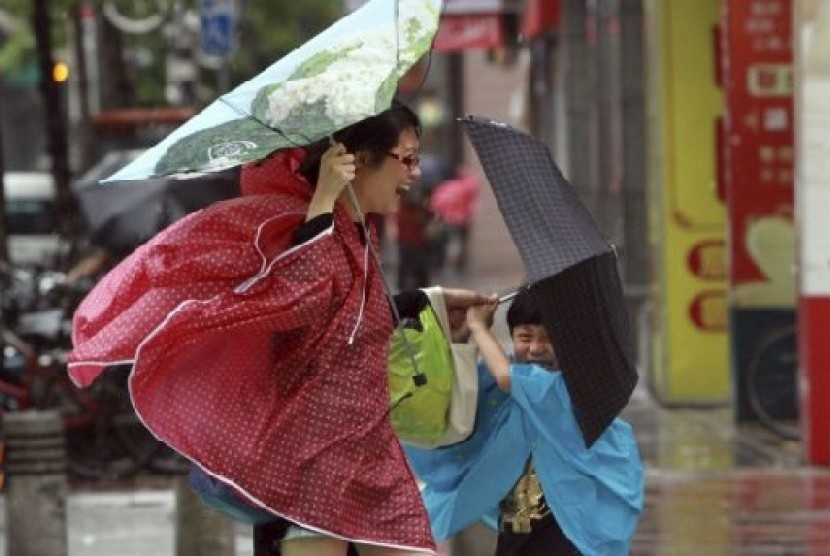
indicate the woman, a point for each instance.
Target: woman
{"x":258,"y":331}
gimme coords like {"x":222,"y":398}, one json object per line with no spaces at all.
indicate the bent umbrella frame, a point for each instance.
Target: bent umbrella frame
{"x":572,"y":271}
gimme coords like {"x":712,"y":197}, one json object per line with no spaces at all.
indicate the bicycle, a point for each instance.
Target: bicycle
{"x":772,"y":382}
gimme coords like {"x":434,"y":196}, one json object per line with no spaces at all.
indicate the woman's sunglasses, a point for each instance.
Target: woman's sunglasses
{"x":410,"y":160}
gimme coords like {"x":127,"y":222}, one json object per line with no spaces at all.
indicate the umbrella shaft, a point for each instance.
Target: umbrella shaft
{"x":407,"y":346}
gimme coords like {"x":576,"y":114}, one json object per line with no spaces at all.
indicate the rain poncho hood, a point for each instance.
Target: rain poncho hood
{"x":262,"y":362}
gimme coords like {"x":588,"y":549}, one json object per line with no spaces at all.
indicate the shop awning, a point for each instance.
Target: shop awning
{"x":463,"y":31}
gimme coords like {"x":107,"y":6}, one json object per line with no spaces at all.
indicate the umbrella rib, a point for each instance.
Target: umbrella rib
{"x":397,"y":37}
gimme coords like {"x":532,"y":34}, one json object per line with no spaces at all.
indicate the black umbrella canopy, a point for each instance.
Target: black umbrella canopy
{"x":572,"y":271}
{"x":121,"y":215}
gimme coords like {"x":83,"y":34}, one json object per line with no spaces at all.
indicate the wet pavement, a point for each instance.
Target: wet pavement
{"x":742,"y":511}
{"x":712,"y":489}
{"x":717,"y":489}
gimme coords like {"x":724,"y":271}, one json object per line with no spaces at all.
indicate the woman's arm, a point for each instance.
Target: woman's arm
{"x":312,"y":228}
{"x":337,"y":168}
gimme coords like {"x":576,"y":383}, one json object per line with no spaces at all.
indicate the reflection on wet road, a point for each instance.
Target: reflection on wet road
{"x":746,"y":512}
{"x":715,"y":489}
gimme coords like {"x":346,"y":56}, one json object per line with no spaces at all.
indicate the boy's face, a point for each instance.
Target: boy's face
{"x":531,"y":344}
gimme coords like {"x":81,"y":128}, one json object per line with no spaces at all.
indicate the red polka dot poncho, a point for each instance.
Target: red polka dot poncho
{"x":263,"y":363}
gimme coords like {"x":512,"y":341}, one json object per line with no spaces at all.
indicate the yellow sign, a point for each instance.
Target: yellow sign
{"x":689,"y":363}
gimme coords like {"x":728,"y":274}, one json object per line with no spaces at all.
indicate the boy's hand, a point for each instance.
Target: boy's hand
{"x":482,"y":315}
{"x":458,"y":301}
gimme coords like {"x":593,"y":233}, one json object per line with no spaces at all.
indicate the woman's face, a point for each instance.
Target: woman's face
{"x":378,"y":187}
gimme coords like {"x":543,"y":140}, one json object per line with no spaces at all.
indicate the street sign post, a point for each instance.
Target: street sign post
{"x":218,"y":22}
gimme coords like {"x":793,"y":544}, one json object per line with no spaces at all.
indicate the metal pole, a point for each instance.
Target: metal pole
{"x":224,"y":76}
{"x":635,"y":258}
{"x":634,"y":150}
{"x":55,"y":114}
{"x":609,"y":210}
{"x":580,"y":79}
{"x":80,"y":14}
{"x":200,"y":530}
{"x":455,"y":81}
{"x":4,"y":247}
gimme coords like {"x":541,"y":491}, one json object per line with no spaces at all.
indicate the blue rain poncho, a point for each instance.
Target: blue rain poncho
{"x":596,"y":494}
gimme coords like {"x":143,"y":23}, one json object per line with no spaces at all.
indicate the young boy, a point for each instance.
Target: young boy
{"x":526,"y":467}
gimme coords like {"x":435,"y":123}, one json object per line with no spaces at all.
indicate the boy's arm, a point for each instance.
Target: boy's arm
{"x":479,"y":319}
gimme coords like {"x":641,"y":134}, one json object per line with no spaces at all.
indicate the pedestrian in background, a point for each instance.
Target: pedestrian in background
{"x":455,"y":201}
{"x":414,"y":219}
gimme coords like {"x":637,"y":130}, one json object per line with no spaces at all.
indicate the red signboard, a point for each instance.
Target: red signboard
{"x":540,"y":16}
{"x":757,"y":60}
{"x":814,"y":356}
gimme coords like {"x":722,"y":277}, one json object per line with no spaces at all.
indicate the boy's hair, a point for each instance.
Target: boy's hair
{"x":523,"y":310}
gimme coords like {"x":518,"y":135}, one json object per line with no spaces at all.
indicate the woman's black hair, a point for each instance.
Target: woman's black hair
{"x":375,"y":135}
{"x":523,"y":310}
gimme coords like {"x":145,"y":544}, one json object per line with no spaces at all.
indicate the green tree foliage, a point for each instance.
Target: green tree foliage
{"x":17,"y":39}
{"x":267,"y":30}
{"x":270,"y":29}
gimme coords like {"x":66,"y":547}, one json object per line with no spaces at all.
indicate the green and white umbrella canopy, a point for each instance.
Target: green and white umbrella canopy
{"x":347,"y":73}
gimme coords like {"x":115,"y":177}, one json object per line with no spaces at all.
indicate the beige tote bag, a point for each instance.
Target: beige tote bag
{"x":464,"y":397}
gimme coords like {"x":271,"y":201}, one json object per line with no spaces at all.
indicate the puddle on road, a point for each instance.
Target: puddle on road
{"x":748,"y":511}
{"x":713,"y":489}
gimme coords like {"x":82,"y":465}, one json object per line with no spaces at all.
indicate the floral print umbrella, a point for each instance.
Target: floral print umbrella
{"x":346,"y":73}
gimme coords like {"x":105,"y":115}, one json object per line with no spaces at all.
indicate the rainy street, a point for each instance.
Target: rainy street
{"x":199,"y":199}
{"x":711,"y":489}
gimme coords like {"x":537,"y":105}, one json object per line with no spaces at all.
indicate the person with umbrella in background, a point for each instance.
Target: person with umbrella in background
{"x":525,"y":468}
{"x":120,"y":217}
{"x":455,"y":201}
{"x":417,"y":226}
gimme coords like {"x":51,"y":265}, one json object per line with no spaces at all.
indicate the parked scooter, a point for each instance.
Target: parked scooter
{"x":105,"y":438}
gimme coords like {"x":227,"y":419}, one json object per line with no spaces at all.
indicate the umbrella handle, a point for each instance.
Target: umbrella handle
{"x":510,"y":293}
{"x":418,"y":377}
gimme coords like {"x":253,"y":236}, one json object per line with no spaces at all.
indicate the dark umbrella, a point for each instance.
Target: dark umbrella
{"x":571,"y":269}
{"x":122,"y":215}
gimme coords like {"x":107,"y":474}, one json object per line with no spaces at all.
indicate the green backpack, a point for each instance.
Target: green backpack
{"x":420,"y":413}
